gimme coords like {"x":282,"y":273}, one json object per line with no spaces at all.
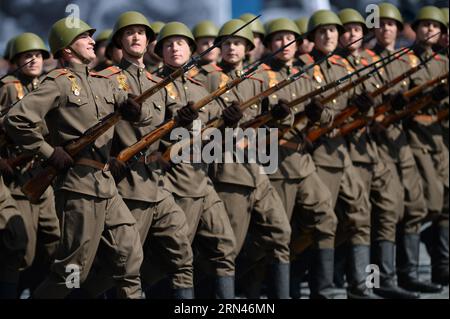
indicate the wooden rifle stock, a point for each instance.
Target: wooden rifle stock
{"x":35,"y":187}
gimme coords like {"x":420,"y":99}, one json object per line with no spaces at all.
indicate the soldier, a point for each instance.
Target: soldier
{"x":191,"y":187}
{"x":93,"y":216}
{"x":296,"y":179}
{"x":250,"y":199}
{"x":205,"y":34}
{"x":152,"y":61}
{"x":258,"y":38}
{"x":306,"y":46}
{"x":161,"y":223}
{"x":40,"y":219}
{"x":101,"y":41}
{"x":397,"y":155}
{"x":425,"y":137}
{"x":6,"y":56}
{"x":13,"y":239}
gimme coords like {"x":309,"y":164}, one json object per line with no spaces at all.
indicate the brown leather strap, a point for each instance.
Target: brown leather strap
{"x":90,"y":163}
{"x":290,"y":145}
{"x":147,"y":159}
{"x":425,"y":119}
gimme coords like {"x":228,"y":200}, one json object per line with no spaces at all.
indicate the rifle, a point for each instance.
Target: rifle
{"x":218,"y":122}
{"x":441,"y":115}
{"x":35,"y":187}
{"x":385,"y":107}
{"x":314,"y":135}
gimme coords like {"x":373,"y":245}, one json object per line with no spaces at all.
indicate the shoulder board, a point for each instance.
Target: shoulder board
{"x":57,"y":73}
{"x":108,"y":72}
{"x":441,"y":57}
{"x":371,"y":53}
{"x":171,"y":91}
{"x":337,"y":60}
{"x":223,"y":79}
{"x":306,"y":58}
{"x":151,"y":77}
{"x":254,"y":77}
{"x":272,"y":78}
{"x":194,"y":81}
{"x":266,"y":67}
{"x":413,"y":60}
{"x":212,"y":67}
{"x":10,"y":79}
{"x":193,"y":72}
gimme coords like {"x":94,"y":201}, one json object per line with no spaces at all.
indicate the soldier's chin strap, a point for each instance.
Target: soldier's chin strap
{"x":79,"y":56}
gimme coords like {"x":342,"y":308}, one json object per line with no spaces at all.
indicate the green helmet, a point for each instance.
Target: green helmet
{"x":352,"y":16}
{"x":103,"y":36}
{"x":302,"y":24}
{"x":231,"y":26}
{"x":430,"y":13}
{"x":8,"y":48}
{"x":206,"y":28}
{"x":445,"y":14}
{"x":389,"y":11}
{"x":256,"y":26}
{"x":278,"y":25}
{"x":130,"y":18}
{"x":157,"y":26}
{"x":27,"y":42}
{"x":174,"y":29}
{"x":64,"y":31}
{"x":323,"y":17}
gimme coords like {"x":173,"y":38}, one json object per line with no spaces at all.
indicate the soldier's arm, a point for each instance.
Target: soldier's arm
{"x":26,"y":120}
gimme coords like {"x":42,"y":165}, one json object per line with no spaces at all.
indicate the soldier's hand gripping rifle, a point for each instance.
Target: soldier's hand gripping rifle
{"x":348,"y":112}
{"x":219,"y":122}
{"x":386,"y":106}
{"x":34,"y":188}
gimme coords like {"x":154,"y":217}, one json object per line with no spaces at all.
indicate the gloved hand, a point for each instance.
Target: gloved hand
{"x":314,"y":110}
{"x":398,"y":101}
{"x":130,"y":110}
{"x":439,"y":92}
{"x":163,"y":163}
{"x":117,"y":168}
{"x":186,"y":115}
{"x":363,"y":102}
{"x":306,"y":145}
{"x":376,"y":127}
{"x":281,"y":110}
{"x":232,"y":114}
{"x":60,"y":159}
{"x":6,"y":170}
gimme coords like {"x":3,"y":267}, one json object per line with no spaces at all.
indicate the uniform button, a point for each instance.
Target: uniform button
{"x":295,"y":109}
{"x":226,"y":99}
{"x":274,"y":96}
{"x":202,"y":108}
{"x":79,"y":100}
{"x":227,"y":91}
{"x":318,"y":87}
{"x":254,"y":106}
{"x":96,"y":97}
{"x":185,"y":87}
{"x":294,"y":95}
{"x":334,"y":101}
{"x":377,"y":86}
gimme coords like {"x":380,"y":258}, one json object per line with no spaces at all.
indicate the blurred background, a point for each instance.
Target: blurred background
{"x":38,"y":15}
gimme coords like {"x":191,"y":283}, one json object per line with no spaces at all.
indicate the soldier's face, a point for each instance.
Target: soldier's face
{"x":84,"y":46}
{"x":353,"y":32}
{"x":280,"y":39}
{"x":204,"y":44}
{"x":443,"y":41}
{"x":386,"y":34}
{"x":176,"y":51}
{"x":258,"y":51}
{"x":233,"y":50}
{"x":326,"y":38}
{"x":306,"y":46}
{"x":425,"y":31}
{"x":134,"y":40}
{"x":34,"y":68}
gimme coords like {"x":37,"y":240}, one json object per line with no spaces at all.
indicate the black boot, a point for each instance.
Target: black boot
{"x":408,"y":265}
{"x":439,"y":256}
{"x":8,"y":290}
{"x":384,"y":252}
{"x":299,"y":267}
{"x":278,"y":281}
{"x":321,"y":274}
{"x":224,"y":287}
{"x":183,"y":293}
{"x":340,"y":265}
{"x":359,"y":259}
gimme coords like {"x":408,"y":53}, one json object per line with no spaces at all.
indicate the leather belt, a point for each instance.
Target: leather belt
{"x":90,"y":163}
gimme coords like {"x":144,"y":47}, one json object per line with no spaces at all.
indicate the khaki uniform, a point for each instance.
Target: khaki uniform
{"x":396,"y":153}
{"x":384,"y":191}
{"x":39,"y":218}
{"x":94,"y":218}
{"x":192,"y":188}
{"x":203,"y":73}
{"x":296,"y":179}
{"x":13,"y":237}
{"x":426,"y":139}
{"x":249,"y":198}
{"x":161,"y":223}
{"x":334,"y":164}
